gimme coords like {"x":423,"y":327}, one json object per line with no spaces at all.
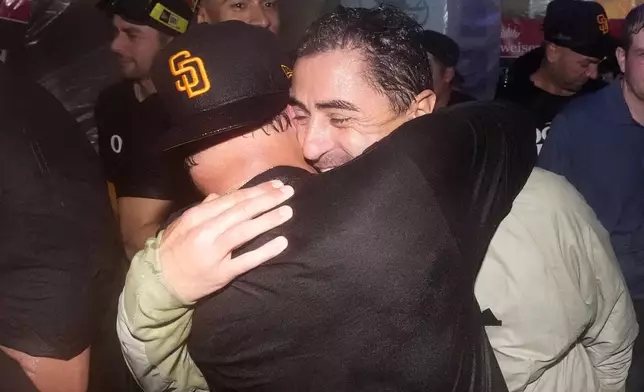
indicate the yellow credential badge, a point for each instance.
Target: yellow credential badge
{"x":168,"y":18}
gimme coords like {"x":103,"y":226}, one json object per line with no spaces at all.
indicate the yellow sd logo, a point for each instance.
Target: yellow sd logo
{"x":194,"y":79}
{"x":602,"y":21}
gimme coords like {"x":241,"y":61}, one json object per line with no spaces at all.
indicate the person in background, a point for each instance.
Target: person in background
{"x":262,"y":13}
{"x":130,"y":118}
{"x":443,"y":54}
{"x":544,"y":81}
{"x":61,"y":261}
{"x":597,"y":144}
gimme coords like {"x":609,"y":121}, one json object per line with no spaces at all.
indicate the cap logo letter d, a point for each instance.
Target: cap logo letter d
{"x":602,"y":21}
{"x":192,"y":73}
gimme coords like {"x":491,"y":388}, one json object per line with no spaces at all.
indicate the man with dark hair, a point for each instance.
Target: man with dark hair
{"x":597,"y":144}
{"x":595,"y":340}
{"x":342,"y":41}
{"x":544,"y":81}
{"x":443,"y":55}
{"x":339,"y":310}
{"x":129,"y":115}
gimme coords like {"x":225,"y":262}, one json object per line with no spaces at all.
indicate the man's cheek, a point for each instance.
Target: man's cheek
{"x":353,"y":142}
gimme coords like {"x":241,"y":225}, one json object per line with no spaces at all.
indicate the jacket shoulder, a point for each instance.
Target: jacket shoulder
{"x":554,"y":195}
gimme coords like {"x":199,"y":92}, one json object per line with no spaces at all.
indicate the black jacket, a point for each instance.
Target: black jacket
{"x":376,"y":289}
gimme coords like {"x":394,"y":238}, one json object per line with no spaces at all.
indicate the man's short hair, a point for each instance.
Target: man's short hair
{"x":398,"y":66}
{"x":633,"y":24}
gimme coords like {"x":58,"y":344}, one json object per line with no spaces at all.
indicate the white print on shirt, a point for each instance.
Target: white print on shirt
{"x":116,"y":143}
{"x":542,"y":135}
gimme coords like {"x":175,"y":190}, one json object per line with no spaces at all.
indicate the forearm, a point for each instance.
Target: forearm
{"x":140,"y":219}
{"x":153,"y":326}
{"x":54,"y":375}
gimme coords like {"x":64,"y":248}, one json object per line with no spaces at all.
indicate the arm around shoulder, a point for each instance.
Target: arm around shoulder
{"x":153,"y":327}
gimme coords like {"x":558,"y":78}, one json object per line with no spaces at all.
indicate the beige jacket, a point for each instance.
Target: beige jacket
{"x":550,"y":276}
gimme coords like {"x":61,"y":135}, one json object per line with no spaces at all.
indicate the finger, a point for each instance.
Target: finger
{"x":210,"y":209}
{"x":222,"y":244}
{"x":246,"y":262}
{"x":245,"y":211}
{"x":248,"y":230}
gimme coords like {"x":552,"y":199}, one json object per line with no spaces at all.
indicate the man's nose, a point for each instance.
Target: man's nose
{"x":593,"y":71}
{"x":258,"y":17}
{"x":315,"y":140}
{"x":117,"y":43}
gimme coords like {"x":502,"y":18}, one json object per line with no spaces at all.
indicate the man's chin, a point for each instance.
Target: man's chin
{"x":129,"y":71}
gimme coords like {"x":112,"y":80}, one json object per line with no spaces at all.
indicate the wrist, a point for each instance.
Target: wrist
{"x":162,"y":270}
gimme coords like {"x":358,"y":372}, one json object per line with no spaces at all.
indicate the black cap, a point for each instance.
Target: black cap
{"x":442,"y":47}
{"x":581,"y":26}
{"x":169,"y":16}
{"x":219,"y":78}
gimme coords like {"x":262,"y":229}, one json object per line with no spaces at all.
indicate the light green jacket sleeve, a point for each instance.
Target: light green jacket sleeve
{"x":153,"y":326}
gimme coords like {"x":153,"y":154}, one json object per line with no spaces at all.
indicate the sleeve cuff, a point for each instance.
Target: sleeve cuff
{"x":146,"y":291}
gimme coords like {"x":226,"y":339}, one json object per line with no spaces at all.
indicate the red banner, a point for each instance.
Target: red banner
{"x":521,"y":35}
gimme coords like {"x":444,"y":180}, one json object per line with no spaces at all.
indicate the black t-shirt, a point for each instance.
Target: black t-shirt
{"x":543,"y":106}
{"x":128,"y":134}
{"x":375,"y":291}
{"x":60,"y":257}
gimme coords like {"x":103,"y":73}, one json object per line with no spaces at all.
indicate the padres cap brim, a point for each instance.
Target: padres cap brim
{"x":246,"y":113}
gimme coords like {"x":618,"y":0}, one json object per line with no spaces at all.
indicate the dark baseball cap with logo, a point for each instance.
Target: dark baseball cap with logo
{"x":581,"y":26}
{"x":228,"y":76}
{"x":443,"y":48}
{"x":169,"y":16}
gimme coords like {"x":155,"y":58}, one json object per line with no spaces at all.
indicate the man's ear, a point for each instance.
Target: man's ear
{"x":449,"y":74}
{"x":620,"y":53}
{"x":552,"y":52}
{"x":424,"y":103}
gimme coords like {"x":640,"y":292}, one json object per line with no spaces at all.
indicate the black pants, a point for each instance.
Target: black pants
{"x":635,"y":382}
